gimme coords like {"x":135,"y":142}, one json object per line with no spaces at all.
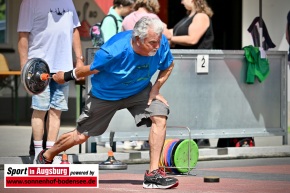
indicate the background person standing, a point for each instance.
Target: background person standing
{"x":143,"y":8}
{"x":48,"y":30}
{"x":119,"y":10}
{"x":194,"y":31}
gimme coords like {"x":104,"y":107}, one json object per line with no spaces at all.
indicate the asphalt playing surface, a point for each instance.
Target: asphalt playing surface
{"x":267,"y":175}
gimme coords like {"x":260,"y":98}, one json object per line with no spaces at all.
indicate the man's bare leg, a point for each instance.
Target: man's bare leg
{"x":65,"y":141}
{"x":156,"y":140}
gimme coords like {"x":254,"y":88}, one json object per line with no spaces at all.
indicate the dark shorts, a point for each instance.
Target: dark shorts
{"x":98,"y":113}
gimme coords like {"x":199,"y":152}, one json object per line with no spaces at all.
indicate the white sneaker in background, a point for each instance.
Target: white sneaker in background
{"x":139,"y":145}
{"x":129,"y":145}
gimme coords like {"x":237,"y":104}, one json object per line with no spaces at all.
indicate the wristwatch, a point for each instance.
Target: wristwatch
{"x":80,"y":58}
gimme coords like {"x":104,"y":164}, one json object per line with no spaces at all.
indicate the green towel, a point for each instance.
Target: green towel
{"x":256,"y":66}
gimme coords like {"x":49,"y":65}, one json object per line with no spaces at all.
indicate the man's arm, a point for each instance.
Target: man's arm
{"x":161,"y":79}
{"x":77,"y":73}
{"x":23,"y":47}
{"x":77,"y":47}
{"x":196,"y":30}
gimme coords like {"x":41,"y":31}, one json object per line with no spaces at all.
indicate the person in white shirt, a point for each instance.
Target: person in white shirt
{"x":48,"y":30}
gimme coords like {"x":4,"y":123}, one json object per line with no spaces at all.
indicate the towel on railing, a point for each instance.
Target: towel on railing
{"x":256,"y":65}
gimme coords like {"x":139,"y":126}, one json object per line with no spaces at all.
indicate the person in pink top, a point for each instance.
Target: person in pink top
{"x":143,"y":8}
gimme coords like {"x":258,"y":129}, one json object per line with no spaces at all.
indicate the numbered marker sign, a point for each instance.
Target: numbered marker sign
{"x":202,"y":64}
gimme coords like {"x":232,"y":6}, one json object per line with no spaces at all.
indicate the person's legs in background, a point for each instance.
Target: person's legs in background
{"x":37,"y":123}
{"x":53,"y":126}
{"x":41,"y":125}
{"x":54,"y":99}
{"x":44,"y":139}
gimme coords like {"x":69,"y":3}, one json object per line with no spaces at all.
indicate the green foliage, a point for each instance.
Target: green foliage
{"x":2,"y":9}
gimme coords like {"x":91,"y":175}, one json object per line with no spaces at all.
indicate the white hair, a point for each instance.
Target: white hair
{"x":141,"y":27}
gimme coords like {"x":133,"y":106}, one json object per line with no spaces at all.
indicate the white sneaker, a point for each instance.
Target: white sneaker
{"x":139,"y":145}
{"x":129,"y":145}
{"x":142,"y":145}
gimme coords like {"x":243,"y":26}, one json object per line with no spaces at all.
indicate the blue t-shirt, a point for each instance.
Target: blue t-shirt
{"x":123,"y":73}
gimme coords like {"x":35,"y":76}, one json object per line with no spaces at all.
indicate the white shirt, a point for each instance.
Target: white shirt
{"x":51,"y":24}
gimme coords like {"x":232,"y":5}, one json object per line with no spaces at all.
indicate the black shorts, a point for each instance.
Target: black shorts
{"x":98,"y":113}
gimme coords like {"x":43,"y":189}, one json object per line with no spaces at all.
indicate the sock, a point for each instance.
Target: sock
{"x":49,"y":144}
{"x":37,"y":148}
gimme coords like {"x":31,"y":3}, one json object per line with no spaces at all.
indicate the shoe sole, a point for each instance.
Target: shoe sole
{"x":156,"y":186}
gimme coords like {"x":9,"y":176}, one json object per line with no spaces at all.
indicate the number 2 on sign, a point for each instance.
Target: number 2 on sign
{"x":202,"y":64}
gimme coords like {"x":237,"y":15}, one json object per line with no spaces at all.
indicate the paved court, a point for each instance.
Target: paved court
{"x":268,"y":175}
